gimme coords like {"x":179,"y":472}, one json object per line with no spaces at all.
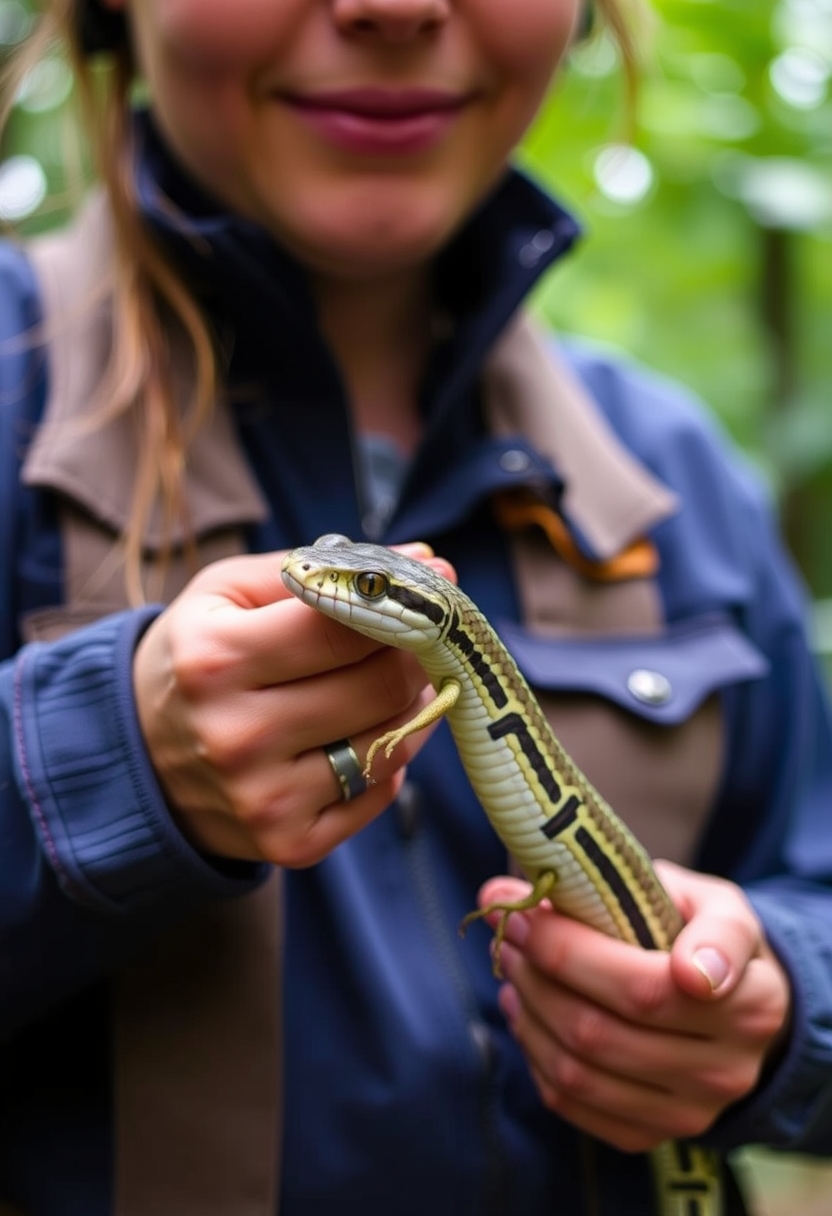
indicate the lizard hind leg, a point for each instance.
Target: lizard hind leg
{"x":541,"y":889}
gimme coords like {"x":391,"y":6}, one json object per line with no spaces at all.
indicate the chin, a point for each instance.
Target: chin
{"x":373,"y":262}
{"x":374,"y":235}
{"x":369,"y":258}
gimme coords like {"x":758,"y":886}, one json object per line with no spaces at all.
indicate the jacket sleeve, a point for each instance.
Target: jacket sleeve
{"x":91,"y":863}
{"x":771,"y":830}
{"x":781,"y":743}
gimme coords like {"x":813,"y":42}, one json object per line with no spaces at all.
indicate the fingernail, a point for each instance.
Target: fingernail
{"x":416,"y":548}
{"x":713,"y":964}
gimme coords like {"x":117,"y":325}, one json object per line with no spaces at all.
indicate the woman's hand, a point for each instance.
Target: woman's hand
{"x":239,"y":686}
{"x":634,"y":1046}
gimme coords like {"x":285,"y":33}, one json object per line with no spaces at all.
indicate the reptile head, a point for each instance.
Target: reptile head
{"x":378,"y":592}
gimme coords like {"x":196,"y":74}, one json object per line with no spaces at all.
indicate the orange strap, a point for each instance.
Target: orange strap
{"x":518,"y":509}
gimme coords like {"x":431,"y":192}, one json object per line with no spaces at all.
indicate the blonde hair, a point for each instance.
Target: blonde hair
{"x":149,"y":297}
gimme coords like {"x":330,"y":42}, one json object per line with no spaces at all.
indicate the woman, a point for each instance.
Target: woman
{"x":293,"y":309}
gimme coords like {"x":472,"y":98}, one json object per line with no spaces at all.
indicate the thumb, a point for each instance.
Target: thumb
{"x":721,"y":935}
{"x":251,"y":580}
{"x":245,"y":580}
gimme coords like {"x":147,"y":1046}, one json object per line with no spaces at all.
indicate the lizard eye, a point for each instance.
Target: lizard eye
{"x":370,"y":585}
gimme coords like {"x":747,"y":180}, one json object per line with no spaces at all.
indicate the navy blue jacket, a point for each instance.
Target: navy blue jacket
{"x":388,"y":1015}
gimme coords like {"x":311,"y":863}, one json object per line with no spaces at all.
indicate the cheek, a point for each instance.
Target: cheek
{"x":526,"y":39}
{"x":212,"y":35}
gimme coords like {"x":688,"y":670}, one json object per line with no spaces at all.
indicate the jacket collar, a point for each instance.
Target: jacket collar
{"x":259,"y":294}
{"x":74,"y":270}
{"x":608,"y":497}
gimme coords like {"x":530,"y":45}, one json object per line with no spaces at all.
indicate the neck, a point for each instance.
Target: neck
{"x":379,"y":332}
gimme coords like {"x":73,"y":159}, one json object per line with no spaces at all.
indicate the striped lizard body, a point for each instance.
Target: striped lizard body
{"x":570,"y":844}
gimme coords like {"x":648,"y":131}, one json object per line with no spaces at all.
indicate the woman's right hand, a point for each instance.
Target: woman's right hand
{"x":239,"y":686}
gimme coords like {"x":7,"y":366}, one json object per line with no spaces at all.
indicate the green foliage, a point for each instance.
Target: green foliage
{"x":708,"y":250}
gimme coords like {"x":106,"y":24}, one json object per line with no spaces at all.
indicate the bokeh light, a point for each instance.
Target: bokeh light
{"x":22,"y":187}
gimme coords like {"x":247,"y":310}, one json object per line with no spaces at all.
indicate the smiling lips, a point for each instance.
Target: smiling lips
{"x":380,"y":122}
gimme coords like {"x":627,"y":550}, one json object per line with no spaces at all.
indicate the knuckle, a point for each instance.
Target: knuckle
{"x":646,"y":994}
{"x":266,"y":813}
{"x":766,"y":1023}
{"x":193,"y":664}
{"x":552,"y":948}
{"x":569,"y":1075}
{"x":299,"y":854}
{"x":634,"y":1140}
{"x":296,"y":847}
{"x":256,"y":814}
{"x":551,"y":1097}
{"x":688,"y":1123}
{"x":220,"y":748}
{"x":401,"y":680}
{"x":728,"y":1085}
{"x":587,"y":1033}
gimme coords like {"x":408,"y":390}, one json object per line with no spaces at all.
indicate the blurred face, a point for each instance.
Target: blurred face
{"x":360,"y":132}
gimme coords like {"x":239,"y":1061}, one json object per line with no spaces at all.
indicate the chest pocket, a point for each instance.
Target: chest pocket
{"x":640,"y":714}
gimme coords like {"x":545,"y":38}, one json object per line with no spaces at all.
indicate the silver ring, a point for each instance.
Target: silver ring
{"x":347,"y":768}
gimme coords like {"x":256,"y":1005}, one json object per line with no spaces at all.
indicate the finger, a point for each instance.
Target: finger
{"x":503,"y":888}
{"x":384,"y":767}
{"x":603,"y":1102}
{"x":255,"y":580}
{"x":711,"y":1071}
{"x":264,"y":634}
{"x":291,"y":841}
{"x":293,"y":813}
{"x":345,"y":702}
{"x":721,"y":936}
{"x":255,"y":736}
{"x":636,"y":984}
{"x":443,"y":567}
{"x":599,"y":1037}
{"x":322,"y":833}
{"x":337,"y":820}
{"x":294,"y":823}
{"x":629,"y":1133}
{"x":256,"y":646}
{"x":246,"y":581}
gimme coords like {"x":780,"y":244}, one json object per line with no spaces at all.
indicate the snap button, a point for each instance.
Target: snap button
{"x":531,"y":253}
{"x":514,"y":461}
{"x":649,"y":687}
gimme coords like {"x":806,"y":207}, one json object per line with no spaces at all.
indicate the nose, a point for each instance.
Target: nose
{"x":391,"y":20}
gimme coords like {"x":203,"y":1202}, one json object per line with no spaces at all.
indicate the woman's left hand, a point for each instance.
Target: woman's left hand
{"x":637,"y":1046}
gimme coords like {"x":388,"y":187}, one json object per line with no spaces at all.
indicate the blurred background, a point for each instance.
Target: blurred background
{"x":708,"y":248}
{"x":708,"y":255}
